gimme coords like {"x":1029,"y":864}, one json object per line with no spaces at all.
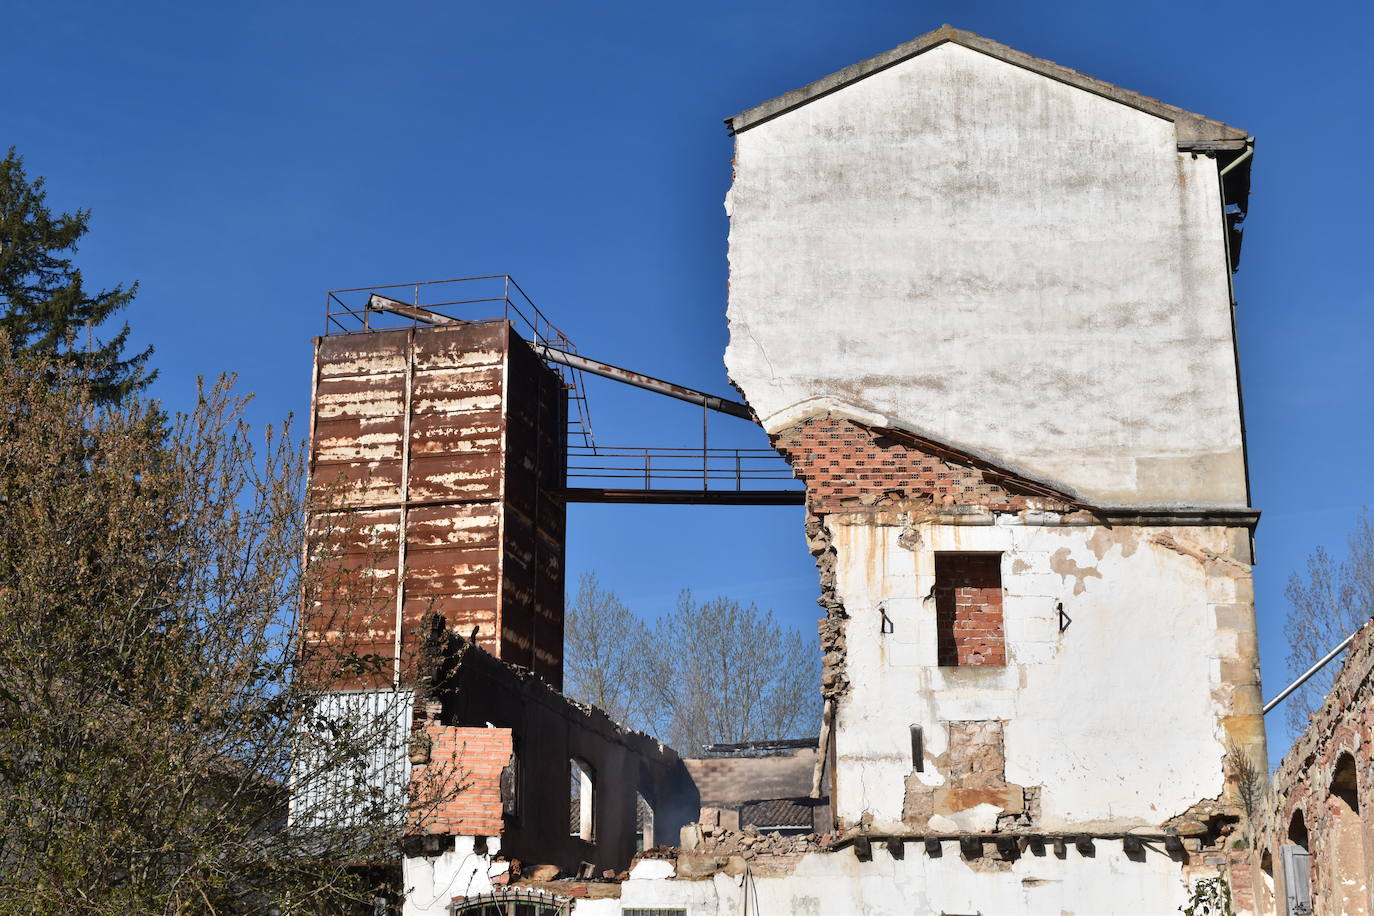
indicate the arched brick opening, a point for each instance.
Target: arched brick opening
{"x":1297,"y":830}
{"x":1349,"y":878}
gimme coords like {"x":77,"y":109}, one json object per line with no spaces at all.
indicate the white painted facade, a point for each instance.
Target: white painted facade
{"x":998,"y":261}
{"x":1120,"y":720}
{"x":431,"y":882}
{"x":838,"y":884}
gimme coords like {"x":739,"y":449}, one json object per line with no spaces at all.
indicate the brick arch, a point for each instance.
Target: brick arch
{"x":1343,"y":840}
{"x":1296,"y":829}
{"x":1344,"y":783}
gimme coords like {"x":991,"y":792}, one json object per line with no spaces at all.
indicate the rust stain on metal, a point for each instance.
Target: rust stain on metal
{"x":471,"y":474}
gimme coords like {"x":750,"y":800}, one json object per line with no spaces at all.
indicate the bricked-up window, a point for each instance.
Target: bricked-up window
{"x":968,"y":610}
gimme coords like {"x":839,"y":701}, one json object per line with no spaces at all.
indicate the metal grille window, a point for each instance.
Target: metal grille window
{"x":660,"y":911}
{"x":512,"y":903}
{"x":350,"y":762}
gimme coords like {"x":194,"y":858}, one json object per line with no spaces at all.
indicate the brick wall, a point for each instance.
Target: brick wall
{"x":1308,"y":783}
{"x":968,"y":610}
{"x":480,"y":754}
{"x":846,"y":464}
{"x":728,"y":781}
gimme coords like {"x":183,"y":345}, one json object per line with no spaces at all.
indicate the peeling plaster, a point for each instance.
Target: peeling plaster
{"x":1064,"y":564}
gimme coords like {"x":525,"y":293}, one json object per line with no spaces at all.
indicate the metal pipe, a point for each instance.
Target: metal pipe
{"x":1283,"y":694}
{"x":648,"y":382}
{"x":1249,"y":151}
{"x":378,"y":303}
{"x":381,"y":303}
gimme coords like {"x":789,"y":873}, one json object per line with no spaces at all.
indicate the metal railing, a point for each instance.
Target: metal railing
{"x":709,"y":469}
{"x":463,"y":299}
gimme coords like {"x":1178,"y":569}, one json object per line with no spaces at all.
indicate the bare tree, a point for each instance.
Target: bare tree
{"x":604,"y":654}
{"x":160,"y":751}
{"x":1331,"y":601}
{"x":724,"y":672}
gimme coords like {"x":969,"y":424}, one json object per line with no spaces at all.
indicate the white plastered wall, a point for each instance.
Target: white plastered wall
{"x":1119,"y":719}
{"x":997,"y":261}
{"x":828,"y":884}
{"x":431,"y":882}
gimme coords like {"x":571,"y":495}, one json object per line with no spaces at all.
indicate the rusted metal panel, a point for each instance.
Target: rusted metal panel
{"x":347,"y":439}
{"x":458,"y":390}
{"x":360,"y":483}
{"x":453,"y":571}
{"x":473,"y":476}
{"x":536,"y":417}
{"x":454,"y":436}
{"x":358,"y":396}
{"x":462,"y":614}
{"x":465,"y":525}
{"x":442,"y":434}
{"x":363,"y":354}
{"x":473,"y":344}
{"x":354,"y":530}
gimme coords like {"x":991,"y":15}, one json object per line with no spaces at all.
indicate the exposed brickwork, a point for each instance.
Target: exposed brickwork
{"x":846,"y":464}
{"x":1329,"y":767}
{"x":728,"y":781}
{"x":968,"y":610}
{"x":480,"y":754}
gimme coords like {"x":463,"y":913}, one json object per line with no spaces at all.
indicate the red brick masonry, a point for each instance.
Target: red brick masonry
{"x":968,"y":610}
{"x":844,"y":463}
{"x":480,"y":754}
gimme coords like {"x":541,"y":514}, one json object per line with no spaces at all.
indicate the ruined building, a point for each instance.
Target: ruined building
{"x":982,"y":306}
{"x":1312,"y":842}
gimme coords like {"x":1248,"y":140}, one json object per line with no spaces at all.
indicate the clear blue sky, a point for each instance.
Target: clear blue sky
{"x":242,"y":158}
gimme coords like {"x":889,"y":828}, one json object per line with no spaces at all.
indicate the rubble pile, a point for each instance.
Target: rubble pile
{"x":749,"y":842}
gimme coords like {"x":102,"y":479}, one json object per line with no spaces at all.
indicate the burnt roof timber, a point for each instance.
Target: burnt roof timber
{"x":1194,"y":131}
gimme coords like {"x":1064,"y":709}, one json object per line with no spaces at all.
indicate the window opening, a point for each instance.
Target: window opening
{"x":581,"y":819}
{"x":1346,"y":841}
{"x":968,"y":610}
{"x":644,"y":823}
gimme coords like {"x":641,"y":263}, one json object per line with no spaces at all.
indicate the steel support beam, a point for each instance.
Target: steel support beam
{"x":687,"y":497}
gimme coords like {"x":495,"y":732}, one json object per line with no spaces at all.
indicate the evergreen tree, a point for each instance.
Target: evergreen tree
{"x":44,"y":307}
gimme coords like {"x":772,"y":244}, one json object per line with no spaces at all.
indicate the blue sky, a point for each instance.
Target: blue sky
{"x":242,"y":158}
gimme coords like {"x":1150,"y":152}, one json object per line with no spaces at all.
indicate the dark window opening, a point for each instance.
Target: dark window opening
{"x":1343,"y":783}
{"x":1297,"y":830}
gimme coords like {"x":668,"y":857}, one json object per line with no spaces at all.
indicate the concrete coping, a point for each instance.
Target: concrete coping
{"x":1194,"y":131}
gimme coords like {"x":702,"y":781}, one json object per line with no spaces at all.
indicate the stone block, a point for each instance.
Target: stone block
{"x":1010,"y":799}
{"x":698,"y":865}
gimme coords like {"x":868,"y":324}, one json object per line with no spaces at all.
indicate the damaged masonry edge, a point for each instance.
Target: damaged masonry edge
{"x":1194,"y":131}
{"x":1075,"y":511}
